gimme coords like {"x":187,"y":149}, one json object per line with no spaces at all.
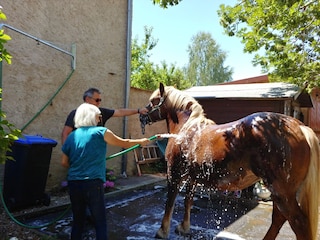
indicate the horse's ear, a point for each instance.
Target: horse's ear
{"x":161,"y":87}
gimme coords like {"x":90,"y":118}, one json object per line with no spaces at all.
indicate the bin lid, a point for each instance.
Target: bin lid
{"x":35,"y":139}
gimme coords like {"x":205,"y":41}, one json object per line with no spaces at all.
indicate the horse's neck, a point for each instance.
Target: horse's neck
{"x":175,"y":128}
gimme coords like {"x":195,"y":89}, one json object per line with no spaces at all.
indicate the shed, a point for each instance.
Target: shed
{"x":225,"y":103}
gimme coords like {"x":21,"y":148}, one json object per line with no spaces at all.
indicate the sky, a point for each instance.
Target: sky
{"x":175,"y":26}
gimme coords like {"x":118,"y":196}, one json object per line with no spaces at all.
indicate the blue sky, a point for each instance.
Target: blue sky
{"x":175,"y":26}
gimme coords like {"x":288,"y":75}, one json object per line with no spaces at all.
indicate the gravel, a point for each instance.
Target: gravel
{"x":11,"y":230}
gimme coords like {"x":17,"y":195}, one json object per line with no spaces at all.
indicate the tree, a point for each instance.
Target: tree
{"x":166,"y":3}
{"x":8,"y":133}
{"x":286,"y":30}
{"x":171,"y":76}
{"x":147,"y":75}
{"x":206,"y":61}
{"x":142,"y":69}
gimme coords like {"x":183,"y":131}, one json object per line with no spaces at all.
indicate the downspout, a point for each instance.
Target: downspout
{"x":127,"y":81}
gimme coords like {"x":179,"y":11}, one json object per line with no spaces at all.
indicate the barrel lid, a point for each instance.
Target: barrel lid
{"x":35,"y":139}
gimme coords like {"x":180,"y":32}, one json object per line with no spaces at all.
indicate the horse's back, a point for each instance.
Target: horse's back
{"x":270,"y":145}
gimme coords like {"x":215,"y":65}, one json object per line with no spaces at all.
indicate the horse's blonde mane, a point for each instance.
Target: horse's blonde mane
{"x":179,"y":100}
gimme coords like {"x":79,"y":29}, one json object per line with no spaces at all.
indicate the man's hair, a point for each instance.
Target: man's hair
{"x":90,"y":92}
{"x":86,"y":115}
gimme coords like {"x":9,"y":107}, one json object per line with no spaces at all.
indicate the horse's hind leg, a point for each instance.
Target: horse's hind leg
{"x":277,"y":222}
{"x":289,"y":209}
{"x":164,"y":230}
{"x":299,"y":222}
{"x":184,"y":227}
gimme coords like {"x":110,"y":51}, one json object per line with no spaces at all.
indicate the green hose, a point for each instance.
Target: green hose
{"x":48,"y":102}
{"x":129,"y":149}
{"x":28,"y":226}
{"x":61,"y":215}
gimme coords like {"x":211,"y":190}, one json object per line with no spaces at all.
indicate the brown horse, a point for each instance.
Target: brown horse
{"x":276,"y":148}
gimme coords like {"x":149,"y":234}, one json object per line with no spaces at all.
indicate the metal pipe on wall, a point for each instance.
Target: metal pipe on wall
{"x":73,"y":66}
{"x":127,"y":81}
{"x":72,"y":53}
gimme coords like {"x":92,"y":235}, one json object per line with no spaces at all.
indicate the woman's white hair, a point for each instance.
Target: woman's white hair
{"x":86,"y":115}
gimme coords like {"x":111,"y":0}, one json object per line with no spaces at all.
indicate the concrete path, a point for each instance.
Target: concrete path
{"x":255,"y":224}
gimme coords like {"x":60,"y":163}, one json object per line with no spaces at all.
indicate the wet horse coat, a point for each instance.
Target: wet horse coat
{"x":275,"y":147}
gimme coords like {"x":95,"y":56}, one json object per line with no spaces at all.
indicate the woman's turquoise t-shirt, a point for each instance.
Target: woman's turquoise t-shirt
{"x":86,"y":150}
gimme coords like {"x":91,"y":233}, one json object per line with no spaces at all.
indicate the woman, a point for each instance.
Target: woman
{"x":84,"y":153}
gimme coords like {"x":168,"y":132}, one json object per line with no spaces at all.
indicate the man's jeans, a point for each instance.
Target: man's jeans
{"x":83,"y":194}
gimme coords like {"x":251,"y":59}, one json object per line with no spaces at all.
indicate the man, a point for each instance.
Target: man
{"x":93,"y":96}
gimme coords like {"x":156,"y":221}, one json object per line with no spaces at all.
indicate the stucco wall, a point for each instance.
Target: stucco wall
{"x":140,"y":97}
{"x":99,"y":31}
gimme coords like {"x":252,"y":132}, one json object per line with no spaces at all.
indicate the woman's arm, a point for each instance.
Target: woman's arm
{"x":65,"y":160}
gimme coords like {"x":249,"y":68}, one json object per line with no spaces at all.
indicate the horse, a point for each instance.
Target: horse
{"x":274,"y":147}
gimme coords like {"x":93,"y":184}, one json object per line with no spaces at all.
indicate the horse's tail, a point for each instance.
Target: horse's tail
{"x":308,"y":196}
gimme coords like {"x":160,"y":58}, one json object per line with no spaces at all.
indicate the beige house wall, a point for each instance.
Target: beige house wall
{"x":140,"y":97}
{"x":38,"y":73}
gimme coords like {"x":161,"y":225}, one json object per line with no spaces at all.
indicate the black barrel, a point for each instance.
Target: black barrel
{"x":25,"y":177}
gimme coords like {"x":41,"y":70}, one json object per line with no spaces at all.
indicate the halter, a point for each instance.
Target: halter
{"x":147,"y":119}
{"x":157,"y":108}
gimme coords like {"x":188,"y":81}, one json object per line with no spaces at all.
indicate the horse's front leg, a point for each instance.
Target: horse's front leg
{"x":184,"y":227}
{"x":164,"y":230}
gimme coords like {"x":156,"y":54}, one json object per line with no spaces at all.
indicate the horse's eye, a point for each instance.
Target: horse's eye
{"x":155,"y":102}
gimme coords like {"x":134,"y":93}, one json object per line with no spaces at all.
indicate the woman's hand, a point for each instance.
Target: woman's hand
{"x":144,"y":141}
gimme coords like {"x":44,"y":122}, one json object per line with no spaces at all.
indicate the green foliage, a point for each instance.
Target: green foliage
{"x":142,"y":70}
{"x":166,"y":3}
{"x":205,"y":67}
{"x":3,"y":39}
{"x":171,"y":76}
{"x":147,"y":75}
{"x":286,"y":31}
{"x":206,"y":61}
{"x":8,"y":133}
{"x":110,"y":176}
{"x":4,"y":53}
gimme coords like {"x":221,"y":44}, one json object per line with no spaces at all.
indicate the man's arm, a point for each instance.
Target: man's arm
{"x":68,"y":126}
{"x":65,"y":133}
{"x":122,"y":112}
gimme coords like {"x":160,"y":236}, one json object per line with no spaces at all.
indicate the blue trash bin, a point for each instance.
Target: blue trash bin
{"x":25,"y":177}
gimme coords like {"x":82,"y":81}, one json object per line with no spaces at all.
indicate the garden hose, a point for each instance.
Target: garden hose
{"x":129,"y":149}
{"x":29,"y":226}
{"x":62,"y":214}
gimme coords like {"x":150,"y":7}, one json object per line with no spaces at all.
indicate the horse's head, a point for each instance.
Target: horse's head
{"x":166,"y":102}
{"x":156,"y":108}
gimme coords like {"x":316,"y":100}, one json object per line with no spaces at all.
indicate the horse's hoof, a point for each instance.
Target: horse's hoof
{"x":161,"y":234}
{"x":181,"y":231}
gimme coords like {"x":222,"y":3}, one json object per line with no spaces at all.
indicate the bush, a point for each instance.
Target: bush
{"x":8,"y":133}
